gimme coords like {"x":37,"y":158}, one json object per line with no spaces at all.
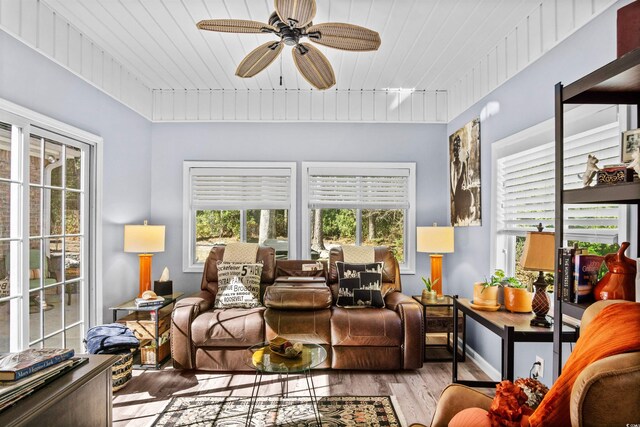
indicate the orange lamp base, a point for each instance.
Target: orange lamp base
{"x":436,"y":272}
{"x":145,"y":273}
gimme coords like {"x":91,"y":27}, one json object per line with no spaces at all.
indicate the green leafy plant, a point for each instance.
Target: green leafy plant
{"x":428,"y":284}
{"x":499,"y":278}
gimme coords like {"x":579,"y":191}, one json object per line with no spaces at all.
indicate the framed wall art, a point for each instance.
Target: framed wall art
{"x":464,"y":175}
{"x":630,"y":140}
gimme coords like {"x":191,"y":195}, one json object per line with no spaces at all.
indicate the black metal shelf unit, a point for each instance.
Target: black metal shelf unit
{"x":615,"y":83}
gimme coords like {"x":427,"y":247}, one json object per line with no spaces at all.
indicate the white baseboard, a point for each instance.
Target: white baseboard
{"x":492,"y":372}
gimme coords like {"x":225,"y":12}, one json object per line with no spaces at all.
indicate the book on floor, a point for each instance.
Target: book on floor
{"x":14,"y":366}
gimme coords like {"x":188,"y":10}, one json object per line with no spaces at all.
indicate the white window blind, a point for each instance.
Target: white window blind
{"x":240,"y":188}
{"x":526,"y":185}
{"x":363,"y":188}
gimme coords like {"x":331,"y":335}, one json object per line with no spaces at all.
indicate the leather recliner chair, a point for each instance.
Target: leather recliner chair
{"x":216,"y":339}
{"x":605,"y":393}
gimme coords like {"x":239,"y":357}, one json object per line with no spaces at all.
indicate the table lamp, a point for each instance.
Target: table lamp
{"x":538,"y":255}
{"x":144,"y":239}
{"x":436,"y":241}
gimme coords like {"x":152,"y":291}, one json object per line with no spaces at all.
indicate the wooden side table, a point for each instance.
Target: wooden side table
{"x":151,"y":326}
{"x":438,"y":319}
{"x":511,"y":328}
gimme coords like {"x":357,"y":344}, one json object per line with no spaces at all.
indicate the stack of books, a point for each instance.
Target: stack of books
{"x":24,"y":372}
{"x":579,"y":273}
{"x":152,"y":302}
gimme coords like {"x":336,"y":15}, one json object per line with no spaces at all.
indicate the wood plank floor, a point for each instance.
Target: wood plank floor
{"x":416,"y":392}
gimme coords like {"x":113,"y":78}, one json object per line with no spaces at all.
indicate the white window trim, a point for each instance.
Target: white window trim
{"x":410,"y":222}
{"x":524,"y":140}
{"x":28,"y":118}
{"x":188,"y":226}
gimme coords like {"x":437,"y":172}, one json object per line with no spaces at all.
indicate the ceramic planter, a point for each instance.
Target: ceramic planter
{"x":485,"y":296}
{"x":517,"y":300}
{"x":429,"y":296}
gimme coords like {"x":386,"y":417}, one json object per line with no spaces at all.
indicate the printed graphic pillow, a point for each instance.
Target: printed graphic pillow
{"x":360,"y":285}
{"x":238,"y":285}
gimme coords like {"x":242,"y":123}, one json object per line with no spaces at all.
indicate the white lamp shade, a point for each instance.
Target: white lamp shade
{"x":144,"y":238}
{"x":435,"y":239}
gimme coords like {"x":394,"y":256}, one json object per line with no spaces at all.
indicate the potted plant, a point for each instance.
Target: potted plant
{"x":517,"y":297}
{"x":428,"y":294}
{"x":486,"y":293}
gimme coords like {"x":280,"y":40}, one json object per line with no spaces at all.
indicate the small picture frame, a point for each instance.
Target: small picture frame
{"x":630,"y":141}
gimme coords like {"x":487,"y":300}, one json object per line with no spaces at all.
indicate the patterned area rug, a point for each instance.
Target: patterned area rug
{"x":277,"y":411}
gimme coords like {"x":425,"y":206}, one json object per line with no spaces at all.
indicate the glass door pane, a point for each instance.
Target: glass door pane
{"x":58,"y":201}
{"x":10,"y":243}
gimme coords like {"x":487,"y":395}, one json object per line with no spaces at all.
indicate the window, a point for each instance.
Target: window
{"x":47,"y":263}
{"x":237,"y":202}
{"x":359,"y":204}
{"x":524,"y":183}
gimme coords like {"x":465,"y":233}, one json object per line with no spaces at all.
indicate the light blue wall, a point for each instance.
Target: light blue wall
{"x":174,"y":143}
{"x":525,"y":100}
{"x":33,"y":81}
{"x":143,"y":161}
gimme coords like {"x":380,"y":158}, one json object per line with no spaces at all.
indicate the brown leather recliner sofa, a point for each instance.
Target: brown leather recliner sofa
{"x":373,"y":338}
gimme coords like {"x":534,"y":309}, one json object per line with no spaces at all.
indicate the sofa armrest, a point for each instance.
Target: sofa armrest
{"x":606,"y":392}
{"x":410,"y":313}
{"x":454,"y":399}
{"x":182,"y":316}
{"x":393,"y":299}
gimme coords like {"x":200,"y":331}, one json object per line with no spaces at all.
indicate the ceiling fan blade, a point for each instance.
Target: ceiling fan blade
{"x":235,"y":26}
{"x":297,"y":13}
{"x":314,"y":66}
{"x":344,"y":36}
{"x":259,"y":59}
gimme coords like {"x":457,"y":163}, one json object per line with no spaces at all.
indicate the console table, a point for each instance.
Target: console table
{"x":81,"y":397}
{"x":511,"y":328}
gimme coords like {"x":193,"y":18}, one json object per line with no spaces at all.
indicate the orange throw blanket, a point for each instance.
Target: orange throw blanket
{"x":615,"y":330}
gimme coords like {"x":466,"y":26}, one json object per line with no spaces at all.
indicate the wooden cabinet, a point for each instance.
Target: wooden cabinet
{"x":81,"y":397}
{"x":616,"y":83}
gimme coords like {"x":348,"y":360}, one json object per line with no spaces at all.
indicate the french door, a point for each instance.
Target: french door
{"x":45,"y":236}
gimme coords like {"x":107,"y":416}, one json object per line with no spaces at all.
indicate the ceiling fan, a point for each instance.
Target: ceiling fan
{"x":291,"y":21}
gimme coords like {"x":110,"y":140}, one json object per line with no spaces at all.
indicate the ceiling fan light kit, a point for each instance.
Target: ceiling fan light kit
{"x":291,"y":22}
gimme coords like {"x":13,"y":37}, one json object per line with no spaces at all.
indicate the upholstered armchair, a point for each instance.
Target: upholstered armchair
{"x":606,"y":393}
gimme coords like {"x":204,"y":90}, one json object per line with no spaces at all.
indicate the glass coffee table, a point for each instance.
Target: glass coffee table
{"x":265,"y":361}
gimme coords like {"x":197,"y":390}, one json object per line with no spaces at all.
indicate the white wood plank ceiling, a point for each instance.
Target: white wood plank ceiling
{"x":430,"y":50}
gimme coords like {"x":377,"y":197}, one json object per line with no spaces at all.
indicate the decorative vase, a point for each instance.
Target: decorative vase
{"x":487,"y":296}
{"x":429,"y":296}
{"x":620,"y":280}
{"x":541,"y":304}
{"x":517,"y":300}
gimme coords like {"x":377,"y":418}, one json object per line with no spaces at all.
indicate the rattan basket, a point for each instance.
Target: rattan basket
{"x":121,"y":371}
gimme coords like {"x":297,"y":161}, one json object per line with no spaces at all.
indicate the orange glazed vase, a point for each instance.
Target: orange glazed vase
{"x":619,"y":282}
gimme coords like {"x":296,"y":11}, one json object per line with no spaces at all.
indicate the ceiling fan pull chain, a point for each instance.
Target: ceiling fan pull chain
{"x":280,"y":70}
